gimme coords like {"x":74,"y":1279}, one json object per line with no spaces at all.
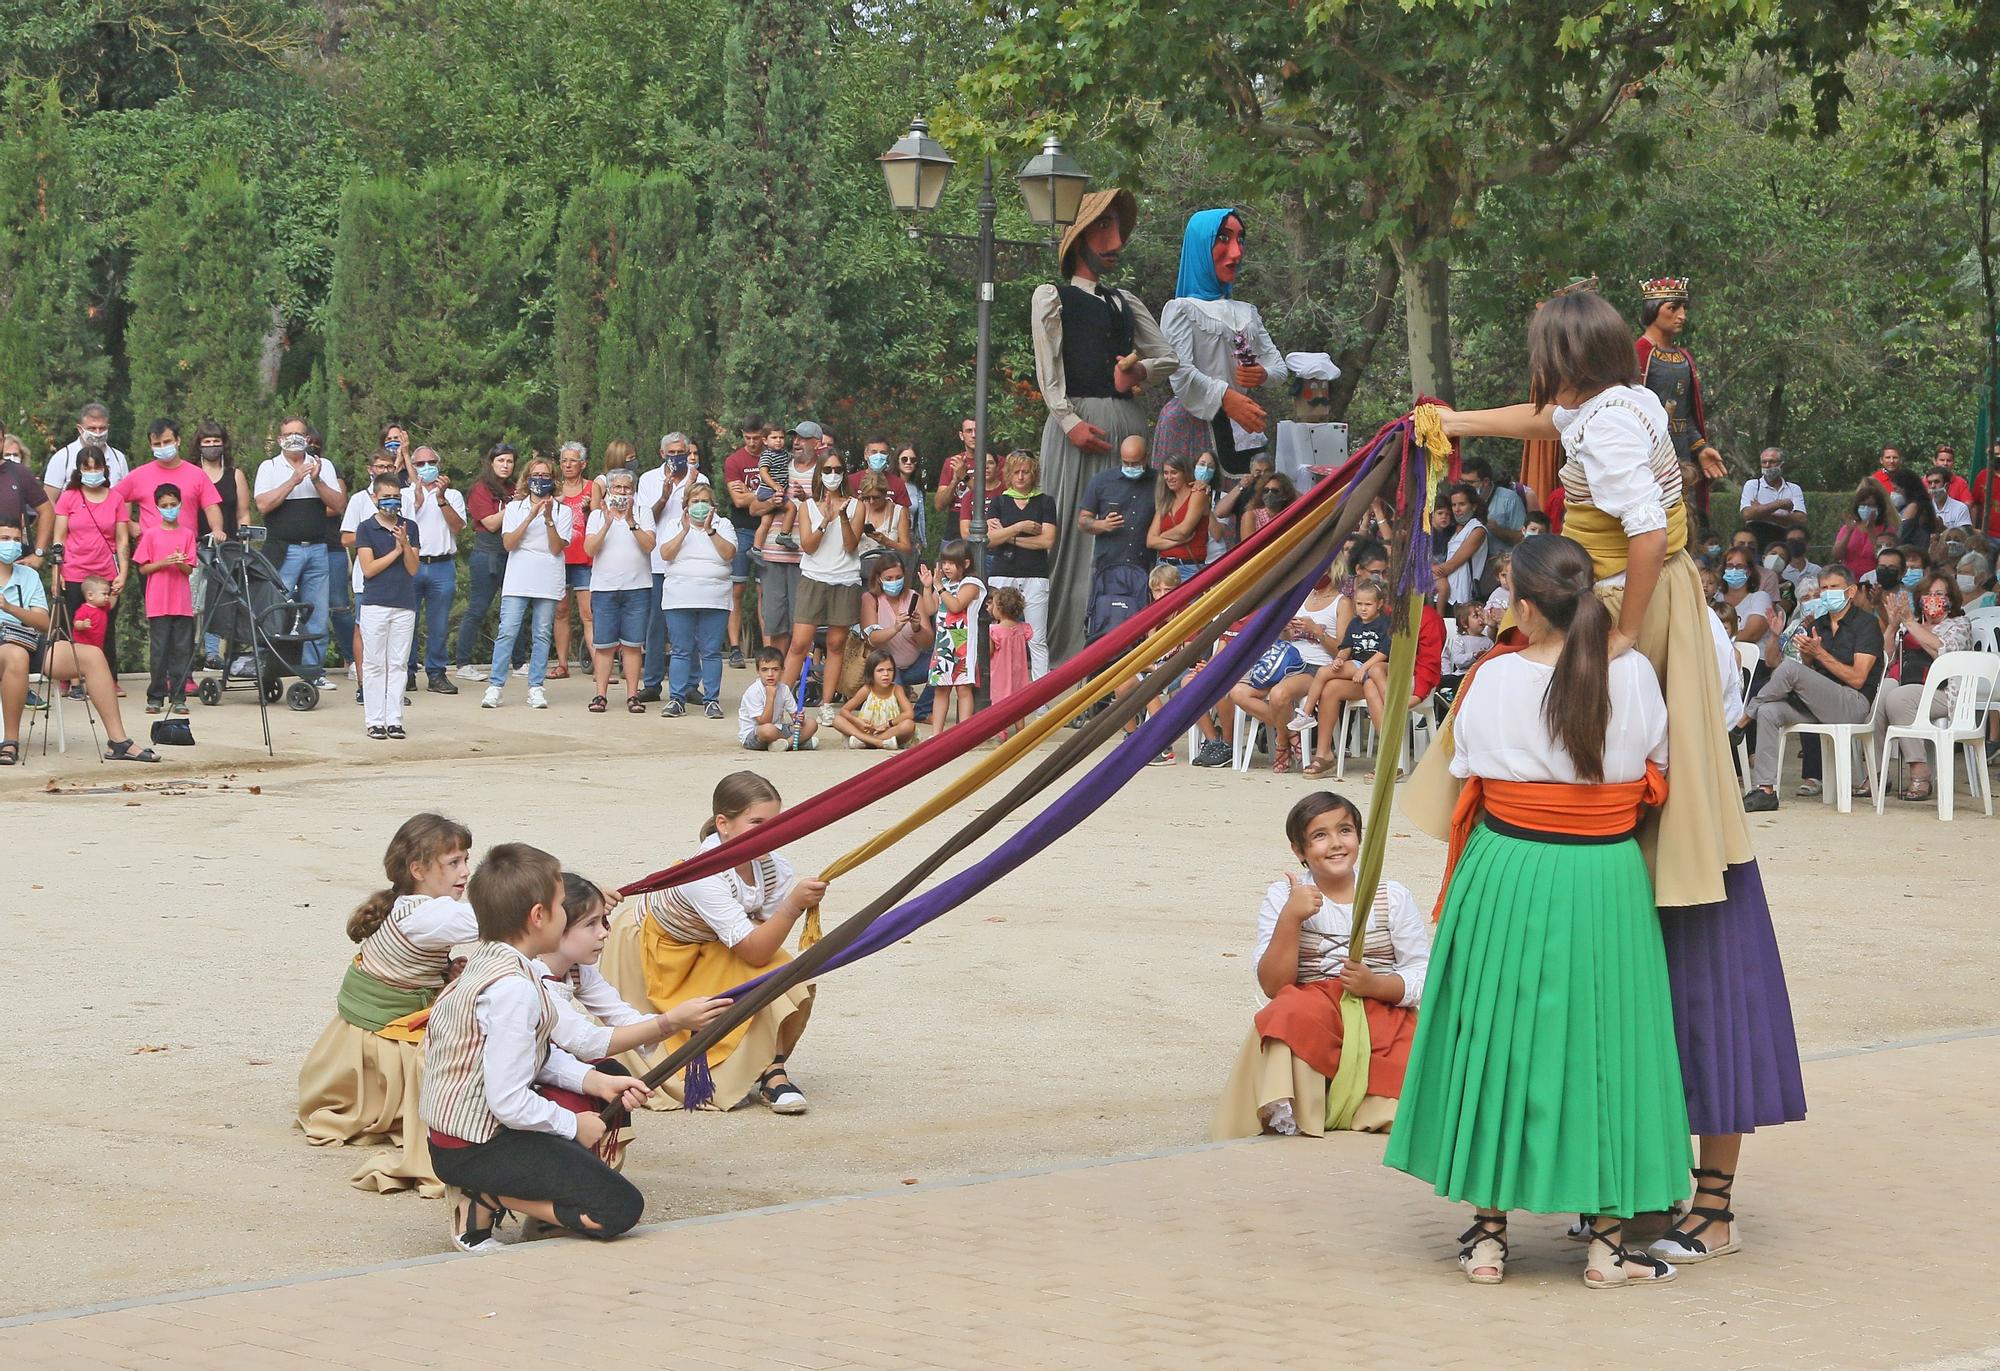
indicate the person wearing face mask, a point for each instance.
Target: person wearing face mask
{"x":699,"y":550}
{"x":1225,"y":352}
{"x":93,"y":429}
{"x":745,"y":509}
{"x":296,"y":493}
{"x":620,"y":540}
{"x":1950,"y":513}
{"x":661,"y":496}
{"x":893,"y":621}
{"x":386,"y":554}
{"x":875,"y":458}
{"x":1939,"y":626}
{"x":166,"y":557}
{"x":829,"y":531}
{"x":97,"y":541}
{"x":438,"y":511}
{"x":360,"y":510}
{"x":1021,"y":530}
{"x":201,"y":503}
{"x":23,"y":501}
{"x":1796,"y":565}
{"x":535,"y":529}
{"x":485,"y":505}
{"x":1867,"y":520}
{"x":1772,"y":506}
{"x":1974,"y":579}
{"x":1917,"y":517}
{"x":1832,"y":681}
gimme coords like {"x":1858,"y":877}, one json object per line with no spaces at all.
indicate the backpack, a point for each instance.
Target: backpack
{"x":1116,"y":594}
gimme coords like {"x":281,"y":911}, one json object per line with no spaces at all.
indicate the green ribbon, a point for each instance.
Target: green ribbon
{"x":1349,"y":1085}
{"x":367,"y":1003}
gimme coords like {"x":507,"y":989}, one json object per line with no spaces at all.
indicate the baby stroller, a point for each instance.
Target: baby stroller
{"x":261,"y":626}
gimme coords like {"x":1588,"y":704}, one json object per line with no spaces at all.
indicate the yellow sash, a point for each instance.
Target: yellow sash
{"x":1605,"y":539}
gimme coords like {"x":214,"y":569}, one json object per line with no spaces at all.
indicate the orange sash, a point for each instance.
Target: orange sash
{"x":1593,"y":811}
{"x":1306,"y":1018}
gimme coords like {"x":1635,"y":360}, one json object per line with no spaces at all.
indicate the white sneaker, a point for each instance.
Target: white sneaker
{"x":1301,"y":721}
{"x":811,"y":744}
{"x":491,"y":699}
{"x":855,"y":744}
{"x":826,"y":713}
{"x":536,"y":699}
{"x":471,"y":673}
{"x":891,"y":744}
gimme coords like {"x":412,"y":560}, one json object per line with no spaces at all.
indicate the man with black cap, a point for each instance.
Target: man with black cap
{"x":1095,"y":345}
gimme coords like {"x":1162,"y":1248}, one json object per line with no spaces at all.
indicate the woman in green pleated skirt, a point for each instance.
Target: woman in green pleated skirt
{"x":1545,"y":1075}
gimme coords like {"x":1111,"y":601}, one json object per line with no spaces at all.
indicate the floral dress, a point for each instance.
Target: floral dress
{"x":955,"y":650}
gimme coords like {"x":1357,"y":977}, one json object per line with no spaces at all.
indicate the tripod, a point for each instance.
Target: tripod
{"x":60,"y":630}
{"x":246,"y":537}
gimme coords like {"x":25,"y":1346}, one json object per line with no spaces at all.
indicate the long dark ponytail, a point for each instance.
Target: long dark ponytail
{"x":1554,"y":575}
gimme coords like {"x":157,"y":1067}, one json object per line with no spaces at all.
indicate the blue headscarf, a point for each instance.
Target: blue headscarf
{"x":1197,"y":279}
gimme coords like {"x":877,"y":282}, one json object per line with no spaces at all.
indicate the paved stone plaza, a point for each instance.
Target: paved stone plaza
{"x":1864,"y":1250}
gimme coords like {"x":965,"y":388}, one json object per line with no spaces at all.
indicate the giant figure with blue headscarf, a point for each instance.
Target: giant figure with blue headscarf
{"x":1095,"y":346}
{"x":1225,"y":352}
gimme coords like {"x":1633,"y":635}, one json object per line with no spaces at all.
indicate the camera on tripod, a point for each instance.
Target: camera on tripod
{"x":54,"y":555}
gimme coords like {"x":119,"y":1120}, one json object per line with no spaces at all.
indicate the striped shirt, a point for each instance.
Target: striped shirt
{"x":456,"y":1100}
{"x":724,"y":907}
{"x":412,"y":946}
{"x":1397,"y":939}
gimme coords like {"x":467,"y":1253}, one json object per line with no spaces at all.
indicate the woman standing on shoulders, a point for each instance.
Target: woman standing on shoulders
{"x":1621,"y":485}
{"x":1545,"y":1032}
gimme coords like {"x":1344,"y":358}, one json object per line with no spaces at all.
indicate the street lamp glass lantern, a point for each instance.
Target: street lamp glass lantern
{"x":1053,"y":185}
{"x":916,"y":169}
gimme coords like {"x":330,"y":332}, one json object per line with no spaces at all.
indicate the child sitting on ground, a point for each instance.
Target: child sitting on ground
{"x":1010,"y":634}
{"x":493,"y":1139}
{"x":690,"y":941}
{"x":769,"y":718}
{"x":952,"y":594}
{"x":359,"y":1083}
{"x":593,"y":1024}
{"x":879,"y":714}
{"x":1294,"y":1075}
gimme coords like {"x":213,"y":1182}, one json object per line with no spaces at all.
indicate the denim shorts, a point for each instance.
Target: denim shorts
{"x":739,"y":568}
{"x":576,"y":575}
{"x":618,"y":617}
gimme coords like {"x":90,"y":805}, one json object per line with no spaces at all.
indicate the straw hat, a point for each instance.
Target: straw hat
{"x":1095,"y":206}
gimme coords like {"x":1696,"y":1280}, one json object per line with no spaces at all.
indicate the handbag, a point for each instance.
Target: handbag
{"x":173,"y":732}
{"x":1279,"y":661}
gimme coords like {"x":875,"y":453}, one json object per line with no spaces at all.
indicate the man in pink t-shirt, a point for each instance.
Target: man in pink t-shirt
{"x":197,"y":491}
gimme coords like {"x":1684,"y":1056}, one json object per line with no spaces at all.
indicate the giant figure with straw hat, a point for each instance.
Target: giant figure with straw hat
{"x":1095,"y":346}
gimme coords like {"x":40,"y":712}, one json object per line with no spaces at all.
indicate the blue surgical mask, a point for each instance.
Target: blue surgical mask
{"x":1204,"y":473}
{"x":10,"y":551}
{"x":166,"y":452}
{"x":94,"y":479}
{"x":1912,"y":576}
{"x":170,"y":513}
{"x":1132,"y":473}
{"x":1865,"y":513}
{"x":878,"y":461}
{"x":1832,"y":600}
{"x":1735,"y":577}
{"x":390,"y":504}
{"x":895,"y":587}
{"x":427,"y":472}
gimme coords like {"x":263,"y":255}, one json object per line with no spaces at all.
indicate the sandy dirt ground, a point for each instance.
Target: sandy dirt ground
{"x":178,"y":947}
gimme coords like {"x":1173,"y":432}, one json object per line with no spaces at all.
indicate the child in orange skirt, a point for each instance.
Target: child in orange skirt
{"x":1295,"y":1074}
{"x":360,"y":1081}
{"x":689,"y":942}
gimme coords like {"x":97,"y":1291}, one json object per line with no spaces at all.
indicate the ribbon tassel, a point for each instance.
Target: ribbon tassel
{"x":697,"y":1086}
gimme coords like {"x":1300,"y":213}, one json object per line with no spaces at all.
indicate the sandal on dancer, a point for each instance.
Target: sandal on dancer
{"x":776,"y":1090}
{"x":1682,"y":1244}
{"x":473,"y":1219}
{"x":1626,"y":1265}
{"x":1483,"y":1259}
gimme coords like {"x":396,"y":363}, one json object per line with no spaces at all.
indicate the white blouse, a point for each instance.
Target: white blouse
{"x":587,"y":1012}
{"x":1498,"y":732}
{"x":1472,"y":568}
{"x":731,"y":906}
{"x":1615,"y":447}
{"x":1202,"y":334}
{"x":1333,"y":924}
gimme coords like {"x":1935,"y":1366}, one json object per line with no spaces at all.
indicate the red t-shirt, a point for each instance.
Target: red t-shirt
{"x":1978,"y":493}
{"x":579,"y":513}
{"x":899,"y":490}
{"x":89,"y":625}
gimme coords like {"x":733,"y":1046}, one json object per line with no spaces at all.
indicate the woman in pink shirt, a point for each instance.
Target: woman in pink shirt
{"x":96,"y":540}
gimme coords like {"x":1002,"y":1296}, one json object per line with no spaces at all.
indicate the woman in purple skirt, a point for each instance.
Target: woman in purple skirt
{"x":1621,"y":480}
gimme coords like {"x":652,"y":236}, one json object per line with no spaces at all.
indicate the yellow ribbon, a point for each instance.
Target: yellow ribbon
{"x":1349,"y":1085}
{"x":1154,"y":646}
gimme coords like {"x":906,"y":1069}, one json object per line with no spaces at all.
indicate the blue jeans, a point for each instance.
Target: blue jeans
{"x":696,"y":633}
{"x":513,"y":609}
{"x":916,"y":682}
{"x":304,"y":574}
{"x":656,"y":638}
{"x":437,"y":583}
{"x":488,"y":569}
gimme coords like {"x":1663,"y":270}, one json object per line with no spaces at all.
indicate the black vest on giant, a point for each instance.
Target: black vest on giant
{"x":1095,"y":336}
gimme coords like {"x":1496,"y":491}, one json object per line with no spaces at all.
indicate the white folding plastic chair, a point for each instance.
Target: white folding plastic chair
{"x":1748,"y":655}
{"x":1838,"y":790}
{"x":1248,"y":727}
{"x":1985,"y":623}
{"x":1976,"y":675}
{"x":49,"y":715}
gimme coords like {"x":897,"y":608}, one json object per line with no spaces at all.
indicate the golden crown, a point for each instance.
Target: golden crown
{"x":1664,"y":288}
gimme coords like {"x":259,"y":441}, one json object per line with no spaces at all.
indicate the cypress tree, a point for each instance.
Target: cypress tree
{"x":632,"y":354}
{"x":200,"y":298}
{"x":51,"y":361}
{"x":430,"y":317}
{"x":772,"y":315}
